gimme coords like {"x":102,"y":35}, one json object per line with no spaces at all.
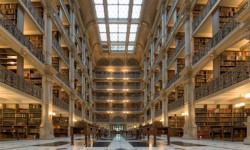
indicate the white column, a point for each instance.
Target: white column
{"x":165,"y":111}
{"x":247,"y":139}
{"x":163,"y":22}
{"x":71,"y":111}
{"x":152,"y":113}
{"x":46,"y":127}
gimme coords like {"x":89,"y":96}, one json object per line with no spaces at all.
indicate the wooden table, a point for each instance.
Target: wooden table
{"x":86,"y":131}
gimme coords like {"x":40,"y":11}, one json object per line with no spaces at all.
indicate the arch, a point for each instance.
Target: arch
{"x":103,"y":62}
{"x":133,"y":62}
{"x":118,"y":119}
{"x":117,"y":62}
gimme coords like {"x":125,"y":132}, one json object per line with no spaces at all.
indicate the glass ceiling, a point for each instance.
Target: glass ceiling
{"x":118,"y":22}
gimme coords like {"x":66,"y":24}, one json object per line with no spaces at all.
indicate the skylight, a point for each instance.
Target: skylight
{"x":118,"y":25}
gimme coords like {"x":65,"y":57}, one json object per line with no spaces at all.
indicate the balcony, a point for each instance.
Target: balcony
{"x":78,"y":112}
{"x":158,"y":113}
{"x":173,"y":5}
{"x":158,"y":76}
{"x":31,"y":8}
{"x":133,"y":76}
{"x":102,"y":76}
{"x":172,"y":81}
{"x":60,"y":51}
{"x":13,"y":80}
{"x":230,"y":78}
{"x":18,"y":35}
{"x":219,"y":36}
{"x":61,"y":104}
{"x":197,"y":21}
{"x":118,"y":109}
{"x":62,"y":78}
{"x":79,"y":78}
{"x":157,"y":94}
{"x":125,"y":120}
{"x":176,"y":104}
{"x":65,"y":9}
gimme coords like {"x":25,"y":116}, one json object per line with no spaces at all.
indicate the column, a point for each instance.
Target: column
{"x":46,"y":127}
{"x":190,"y":128}
{"x":152,"y":51}
{"x":71,"y":111}
{"x":152,"y":87}
{"x":152,"y":113}
{"x":247,"y":139}
{"x":20,"y":19}
{"x":215,"y":29}
{"x":145,"y":117}
{"x":165,"y":111}
{"x":20,"y":65}
{"x":163,"y":22}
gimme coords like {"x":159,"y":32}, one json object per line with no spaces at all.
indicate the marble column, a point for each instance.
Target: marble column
{"x":247,"y":139}
{"x":152,"y":113}
{"x":71,"y":111}
{"x":165,"y":111}
{"x":46,"y":127}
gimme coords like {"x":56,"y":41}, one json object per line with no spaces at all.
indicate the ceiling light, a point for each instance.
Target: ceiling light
{"x":184,"y":114}
{"x":247,"y":95}
{"x":240,"y":105}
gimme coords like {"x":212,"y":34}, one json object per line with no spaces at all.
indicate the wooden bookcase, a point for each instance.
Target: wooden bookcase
{"x":25,"y":117}
{"x":203,"y":77}
{"x":197,"y":10}
{"x":176,"y":123}
{"x":226,"y":14}
{"x":231,"y":59}
{"x":34,"y":76}
{"x":221,"y":119}
{"x":180,"y":64}
{"x":199,"y":43}
{"x":39,"y":8}
{"x":55,"y":63}
{"x":60,"y":126}
{"x":36,"y":40}
{"x":10,"y":11}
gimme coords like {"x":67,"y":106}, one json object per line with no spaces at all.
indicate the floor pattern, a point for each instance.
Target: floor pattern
{"x":119,"y":143}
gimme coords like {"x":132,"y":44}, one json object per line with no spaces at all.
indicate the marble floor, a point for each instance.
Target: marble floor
{"x":119,"y":143}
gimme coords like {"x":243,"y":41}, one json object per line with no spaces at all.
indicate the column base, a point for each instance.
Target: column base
{"x":47,"y":132}
{"x":190,"y":132}
{"x":247,"y":140}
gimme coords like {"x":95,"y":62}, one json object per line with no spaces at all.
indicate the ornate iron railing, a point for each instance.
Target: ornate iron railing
{"x":219,"y":36}
{"x":18,"y":35}
{"x":60,"y":76}
{"x":205,"y":11}
{"x":60,"y":50}
{"x":78,"y":112}
{"x":61,"y":104}
{"x":13,"y":80}
{"x":65,"y":8}
{"x":158,"y":113}
{"x":157,"y":94}
{"x":158,"y":76}
{"x":34,"y":12}
{"x":171,"y":81}
{"x":232,"y":77}
{"x":176,"y":104}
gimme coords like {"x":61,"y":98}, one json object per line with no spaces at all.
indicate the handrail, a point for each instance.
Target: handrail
{"x":13,"y":80}
{"x":34,"y":12}
{"x":60,"y":76}
{"x":60,"y":50}
{"x":61,"y":104}
{"x":176,"y":104}
{"x":18,"y":35}
{"x":171,"y":81}
{"x":219,"y":36}
{"x":232,"y":77}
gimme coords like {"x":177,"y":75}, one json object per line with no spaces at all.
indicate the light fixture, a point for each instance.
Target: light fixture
{"x":184,"y":114}
{"x":247,"y":95}
{"x":52,"y":113}
{"x":161,"y":120}
{"x":74,"y":120}
{"x":239,"y":105}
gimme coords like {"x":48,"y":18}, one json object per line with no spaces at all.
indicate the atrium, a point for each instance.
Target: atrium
{"x":125,"y":74}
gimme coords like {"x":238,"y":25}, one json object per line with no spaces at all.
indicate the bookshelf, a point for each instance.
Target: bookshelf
{"x":225,"y":15}
{"x":26,"y":118}
{"x":180,"y":64}
{"x":231,"y":59}
{"x":200,"y":42}
{"x":203,"y":77}
{"x":36,"y":40}
{"x":60,"y":126}
{"x":39,"y":8}
{"x":176,"y":123}
{"x":197,"y":9}
{"x":55,"y":63}
{"x":10,"y":11}
{"x":34,"y":76}
{"x":223,"y":120}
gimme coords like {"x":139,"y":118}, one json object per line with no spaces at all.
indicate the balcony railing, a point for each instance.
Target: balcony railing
{"x":158,"y":76}
{"x":60,"y":50}
{"x":18,"y":35}
{"x":13,"y":80}
{"x":60,"y":76}
{"x":65,"y":8}
{"x":157,"y":94}
{"x":125,"y":120}
{"x":78,"y":76}
{"x":180,"y":45}
{"x":171,"y":10}
{"x":79,"y":94}
{"x":132,"y":76}
{"x":117,"y":87}
{"x":232,"y":77}
{"x":118,"y":98}
{"x":102,"y":75}
{"x":171,"y":81}
{"x":78,"y":112}
{"x":219,"y":36}
{"x":117,"y":109}
{"x":61,"y":104}
{"x":158,"y":113}
{"x":197,"y":21}
{"x":176,"y":104}
{"x":34,"y":12}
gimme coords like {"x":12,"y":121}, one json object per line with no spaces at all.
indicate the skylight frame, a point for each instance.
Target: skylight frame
{"x":129,"y":18}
